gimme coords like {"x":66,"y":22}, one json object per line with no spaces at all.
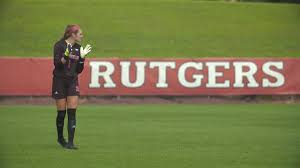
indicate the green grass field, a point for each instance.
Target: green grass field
{"x":153,"y":28}
{"x":154,"y":136}
{"x":160,"y":136}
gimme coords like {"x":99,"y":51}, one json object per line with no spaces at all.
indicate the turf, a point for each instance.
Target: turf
{"x":153,"y":28}
{"x":160,"y":136}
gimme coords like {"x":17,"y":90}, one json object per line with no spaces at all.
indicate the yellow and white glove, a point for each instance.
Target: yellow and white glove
{"x":68,"y":50}
{"x":85,"y":51}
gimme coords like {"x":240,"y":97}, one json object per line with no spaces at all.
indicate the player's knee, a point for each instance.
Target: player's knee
{"x":61,"y":104}
{"x":72,"y":105}
{"x":72,"y":102}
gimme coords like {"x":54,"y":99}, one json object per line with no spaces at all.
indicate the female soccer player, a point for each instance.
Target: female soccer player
{"x":69,"y":59}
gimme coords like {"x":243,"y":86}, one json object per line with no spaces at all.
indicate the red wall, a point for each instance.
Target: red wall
{"x":33,"y":76}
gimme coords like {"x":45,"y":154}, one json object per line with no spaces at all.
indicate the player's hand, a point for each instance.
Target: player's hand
{"x":63,"y":60}
{"x":67,"y":52}
{"x":85,"y":51}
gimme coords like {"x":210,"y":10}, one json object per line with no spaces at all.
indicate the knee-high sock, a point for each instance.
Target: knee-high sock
{"x":60,"y":123}
{"x":71,"y":124}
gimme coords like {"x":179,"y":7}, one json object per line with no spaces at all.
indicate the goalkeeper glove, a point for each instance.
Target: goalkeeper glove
{"x":67,"y":52}
{"x":85,"y":51}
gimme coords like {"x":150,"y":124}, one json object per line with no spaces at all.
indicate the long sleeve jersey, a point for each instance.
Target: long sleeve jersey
{"x":74,"y":63}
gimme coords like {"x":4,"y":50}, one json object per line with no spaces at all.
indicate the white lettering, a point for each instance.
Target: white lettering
{"x":197,"y":78}
{"x":279,"y":77}
{"x":240,"y":74}
{"x":140,"y":74}
{"x":106,"y":75}
{"x":162,"y":72}
{"x":213,"y":74}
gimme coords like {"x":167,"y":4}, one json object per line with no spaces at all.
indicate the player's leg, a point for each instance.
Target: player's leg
{"x":72,"y":102}
{"x":59,"y":94}
{"x":61,"y":113}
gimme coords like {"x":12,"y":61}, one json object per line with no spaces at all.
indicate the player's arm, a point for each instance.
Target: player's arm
{"x":61,"y":55}
{"x":83,"y":53}
{"x":58,"y":56}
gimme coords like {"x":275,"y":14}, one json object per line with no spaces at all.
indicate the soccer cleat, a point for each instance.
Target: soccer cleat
{"x":70,"y":146}
{"x":62,"y":142}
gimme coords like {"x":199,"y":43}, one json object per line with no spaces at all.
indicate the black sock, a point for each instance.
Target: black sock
{"x":60,"y":123}
{"x":71,"y":124}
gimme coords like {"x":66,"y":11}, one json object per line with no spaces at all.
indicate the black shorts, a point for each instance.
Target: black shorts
{"x":64,"y":86}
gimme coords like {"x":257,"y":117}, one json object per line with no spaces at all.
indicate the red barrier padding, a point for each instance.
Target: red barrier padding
{"x":207,"y":76}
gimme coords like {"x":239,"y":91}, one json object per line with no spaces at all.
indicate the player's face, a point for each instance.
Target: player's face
{"x":78,"y":36}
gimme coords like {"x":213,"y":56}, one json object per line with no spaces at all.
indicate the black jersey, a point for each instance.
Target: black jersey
{"x":74,"y":63}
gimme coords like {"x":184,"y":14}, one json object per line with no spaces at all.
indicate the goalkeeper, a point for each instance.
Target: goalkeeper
{"x":69,"y":59}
